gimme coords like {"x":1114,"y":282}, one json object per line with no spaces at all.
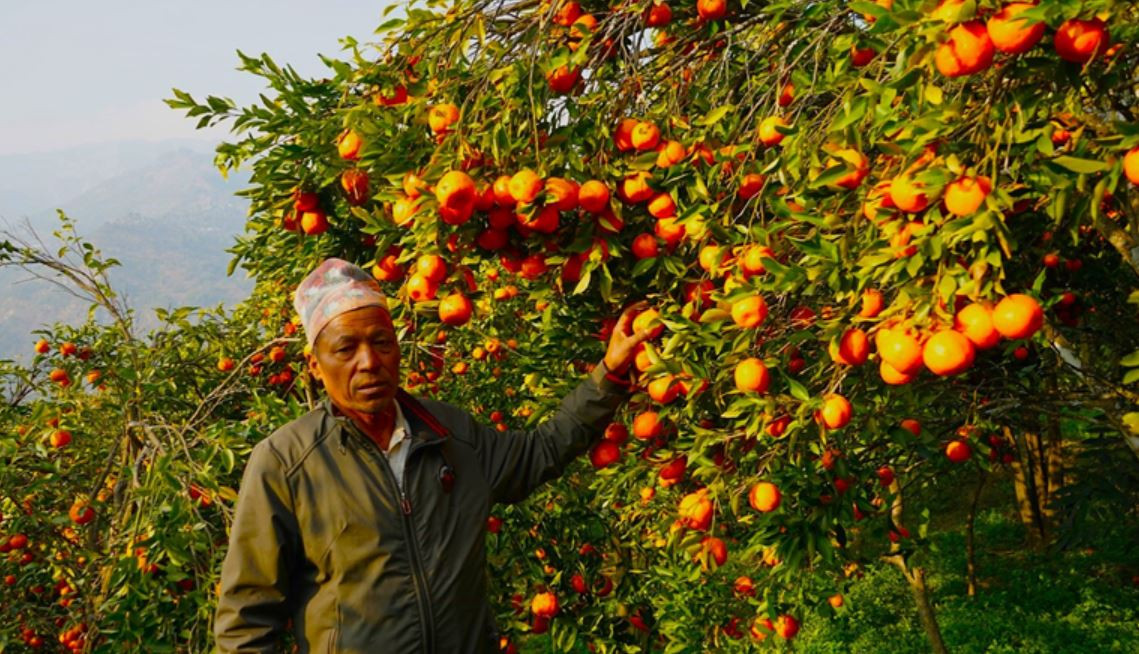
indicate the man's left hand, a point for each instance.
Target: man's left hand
{"x":624,"y":340}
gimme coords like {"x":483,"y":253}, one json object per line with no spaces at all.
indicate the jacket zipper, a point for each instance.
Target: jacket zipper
{"x":417,"y":575}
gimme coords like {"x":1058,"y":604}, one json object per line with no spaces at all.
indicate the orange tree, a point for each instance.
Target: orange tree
{"x":879,"y":239}
{"x":873,"y":234}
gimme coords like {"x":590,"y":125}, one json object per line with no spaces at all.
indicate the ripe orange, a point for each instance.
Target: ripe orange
{"x":749,"y":312}
{"x":81,"y":513}
{"x":604,"y":453}
{"x":1018,"y":316}
{"x":533,"y":267}
{"x":413,"y":185}
{"x":786,"y":627}
{"x":893,"y":376}
{"x":912,"y":426}
{"x":836,"y":412}
{"x":593,"y":196}
{"x":645,"y":246}
{"x":441,"y":117}
{"x":853,"y":347}
{"x":658,"y":15}
{"x":60,"y":438}
{"x":544,"y":220}
{"x":948,"y":352}
{"x":958,"y":451}
{"x":852,"y":158}
{"x":455,"y":309}
{"x":859,"y":57}
{"x":648,"y":321}
{"x":769,"y":133}
{"x":899,"y":349}
{"x":397,"y":97}
{"x":670,"y":231}
{"x":711,"y":258}
{"x":563,"y":193}
{"x":431,"y":266}
{"x":835,"y":600}
{"x":355,"y":183}
{"x":670,"y":153}
{"x":623,"y":137}
{"x":764,"y":497}
{"x":715,"y":549}
{"x":420,"y":288}
{"x":42,"y":346}
{"x":751,"y":376}
{"x":1012,"y":35}
{"x":1131,"y":165}
{"x":696,"y":510}
{"x":403,"y":211}
{"x":751,"y":261}
{"x":751,"y":185}
{"x":965,"y":195}
{"x":786,"y":94}
{"x":645,"y":136}
{"x":647,"y":425}
{"x":635,"y":187}
{"x":583,"y":24}
{"x":616,"y":432}
{"x":349,"y":144}
{"x":225,"y":364}
{"x":544,"y":605}
{"x":1079,"y":41}
{"x":567,"y":13}
{"x":711,"y":9}
{"x":968,"y":50}
{"x":662,"y":206}
{"x":67,"y":348}
{"x":871,"y":303}
{"x":563,"y":78}
{"x":455,"y":192}
{"x":525,"y":185}
{"x":314,"y":222}
{"x":664,"y":389}
{"x":908,"y":194}
{"x":975,"y":321}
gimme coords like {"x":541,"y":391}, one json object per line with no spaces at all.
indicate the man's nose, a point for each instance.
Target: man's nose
{"x":369,"y":357}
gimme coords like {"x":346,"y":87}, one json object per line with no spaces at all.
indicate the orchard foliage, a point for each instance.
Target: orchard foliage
{"x":880,"y":239}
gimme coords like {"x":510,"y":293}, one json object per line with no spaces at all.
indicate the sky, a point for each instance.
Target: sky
{"x":77,"y":72}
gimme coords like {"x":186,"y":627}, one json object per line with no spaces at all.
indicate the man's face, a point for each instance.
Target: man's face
{"x":356,"y":356}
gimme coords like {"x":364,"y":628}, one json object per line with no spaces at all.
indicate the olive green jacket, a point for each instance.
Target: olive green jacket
{"x":323,"y":536}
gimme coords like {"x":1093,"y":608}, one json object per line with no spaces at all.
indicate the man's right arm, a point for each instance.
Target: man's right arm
{"x":264,"y":543}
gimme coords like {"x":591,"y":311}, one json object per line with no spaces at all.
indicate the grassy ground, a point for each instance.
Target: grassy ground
{"x":1079,"y":601}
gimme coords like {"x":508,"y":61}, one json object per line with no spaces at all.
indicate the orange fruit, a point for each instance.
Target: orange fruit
{"x":711,"y":9}
{"x":455,"y":192}
{"x":912,"y":426}
{"x":711,"y":258}
{"x":769,"y":133}
{"x":836,"y":412}
{"x":764,"y":497}
{"x":670,"y":153}
{"x":604,"y":453}
{"x":413,"y":185}
{"x":355,"y":183}
{"x":1017,"y":316}
{"x":616,"y":432}
{"x":455,"y":309}
{"x":715,"y":549}
{"x":751,"y":260}
{"x":544,"y":605}
{"x":664,"y":389}
{"x":786,"y":627}
{"x":403,"y":211}
{"x":1012,"y":35}
{"x":696,"y":510}
{"x":578,"y":29}
{"x":648,"y":321}
{"x":855,"y":159}
{"x":441,"y":116}
{"x":751,"y":185}
{"x":975,"y":321}
{"x":900,"y":350}
{"x":751,"y":376}
{"x":1079,"y":41}
{"x":525,"y":185}
{"x":567,"y":13}
{"x":658,"y":15}
{"x":647,"y":425}
{"x":635,"y":187}
{"x":859,"y":57}
{"x":563,"y":192}
{"x":563,"y":78}
{"x":965,"y":195}
{"x":645,"y":246}
{"x":593,"y":196}
{"x":420,"y":288}
{"x":60,"y":438}
{"x":948,"y":352}
{"x":853,"y":347}
{"x":81,"y":513}
{"x":225,"y":364}
{"x":431,"y":266}
{"x":968,"y":50}
{"x":349,"y":144}
{"x":787,"y":94}
{"x":645,"y":136}
{"x":749,"y":312}
{"x":947,"y":10}
{"x":662,"y":206}
{"x":835,"y":600}
{"x":314,"y":222}
{"x":908,"y":194}
{"x":893,"y":376}
{"x":958,"y":451}
{"x":623,"y":137}
{"x":42,"y":346}
{"x":871,"y":303}
{"x":1131,"y":165}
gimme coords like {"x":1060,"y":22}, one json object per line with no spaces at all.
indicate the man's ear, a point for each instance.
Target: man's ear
{"x":313,"y":366}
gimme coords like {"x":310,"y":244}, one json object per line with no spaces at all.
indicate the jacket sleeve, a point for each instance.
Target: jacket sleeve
{"x":263,"y":545}
{"x":517,"y":462}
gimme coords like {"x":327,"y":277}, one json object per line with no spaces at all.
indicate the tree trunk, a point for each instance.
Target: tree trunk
{"x":915,"y":577}
{"x":970,"y":549}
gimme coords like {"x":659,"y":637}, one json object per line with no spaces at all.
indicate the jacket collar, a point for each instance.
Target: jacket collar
{"x":425,"y":428}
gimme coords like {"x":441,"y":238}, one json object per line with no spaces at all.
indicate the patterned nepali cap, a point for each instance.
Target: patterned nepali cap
{"x":335,"y":287}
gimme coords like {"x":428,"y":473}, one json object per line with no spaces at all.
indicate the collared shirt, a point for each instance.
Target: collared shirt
{"x":399,"y":444}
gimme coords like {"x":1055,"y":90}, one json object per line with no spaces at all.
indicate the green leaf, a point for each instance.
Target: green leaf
{"x":1083,"y":166}
{"x":797,"y":390}
{"x":1131,"y":360}
{"x":714,"y":116}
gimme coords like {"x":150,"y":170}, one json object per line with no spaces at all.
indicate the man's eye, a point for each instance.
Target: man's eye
{"x":343,"y":350}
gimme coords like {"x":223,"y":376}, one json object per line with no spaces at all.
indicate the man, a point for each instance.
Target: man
{"x":363,"y":521}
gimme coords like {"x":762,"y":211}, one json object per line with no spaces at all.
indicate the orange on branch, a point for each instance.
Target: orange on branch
{"x":899,"y":349}
{"x":764,"y":497}
{"x":752,"y":376}
{"x":645,"y":136}
{"x":1018,"y":316}
{"x":948,"y":352}
{"x":455,"y":309}
{"x":441,"y":117}
{"x":749,"y":312}
{"x":593,"y":196}
{"x":1013,"y":35}
{"x":769,"y":133}
{"x":975,"y":321}
{"x":525,"y":185}
{"x":965,"y":195}
{"x":1080,"y":41}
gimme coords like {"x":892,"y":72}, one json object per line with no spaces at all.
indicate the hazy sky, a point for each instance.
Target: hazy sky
{"x":77,"y":72}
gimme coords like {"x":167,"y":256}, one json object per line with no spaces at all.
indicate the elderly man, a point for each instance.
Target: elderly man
{"x":363,"y":521}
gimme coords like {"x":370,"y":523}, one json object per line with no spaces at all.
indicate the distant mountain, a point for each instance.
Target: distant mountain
{"x":168,"y":220}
